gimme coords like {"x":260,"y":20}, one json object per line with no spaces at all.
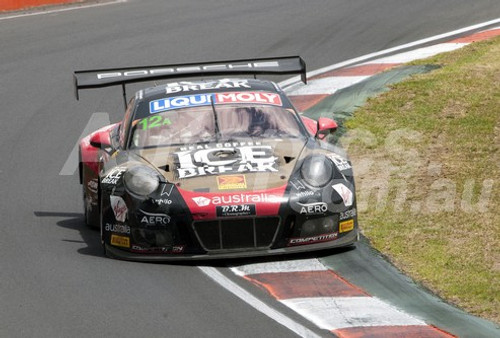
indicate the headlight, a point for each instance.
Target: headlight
{"x":317,"y":170}
{"x":141,"y":180}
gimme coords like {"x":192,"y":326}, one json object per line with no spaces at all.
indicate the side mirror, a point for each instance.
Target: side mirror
{"x":325,"y":126}
{"x":100,"y":140}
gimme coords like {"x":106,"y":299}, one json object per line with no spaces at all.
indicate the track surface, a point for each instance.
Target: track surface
{"x":54,"y":281}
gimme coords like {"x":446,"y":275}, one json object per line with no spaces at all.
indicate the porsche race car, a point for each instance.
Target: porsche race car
{"x":214,"y":168}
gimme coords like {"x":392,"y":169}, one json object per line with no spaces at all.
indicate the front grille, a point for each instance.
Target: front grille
{"x":246,"y":233}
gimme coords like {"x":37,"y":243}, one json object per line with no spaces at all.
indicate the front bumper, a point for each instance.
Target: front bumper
{"x":344,"y":241}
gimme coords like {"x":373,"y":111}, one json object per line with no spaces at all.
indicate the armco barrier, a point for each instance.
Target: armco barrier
{"x":12,"y":5}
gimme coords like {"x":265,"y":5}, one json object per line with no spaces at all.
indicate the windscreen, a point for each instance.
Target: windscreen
{"x":214,"y":123}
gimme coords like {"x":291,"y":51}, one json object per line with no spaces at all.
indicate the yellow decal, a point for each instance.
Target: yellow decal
{"x":120,"y":241}
{"x":346,"y":226}
{"x":231,"y":182}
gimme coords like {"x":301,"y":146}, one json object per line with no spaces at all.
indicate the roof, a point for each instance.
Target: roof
{"x":185,"y":94}
{"x":181,"y":88}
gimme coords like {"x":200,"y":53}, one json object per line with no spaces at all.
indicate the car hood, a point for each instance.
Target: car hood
{"x":227,"y":166}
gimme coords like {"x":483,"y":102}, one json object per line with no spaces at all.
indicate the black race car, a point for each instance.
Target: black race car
{"x":214,"y":168}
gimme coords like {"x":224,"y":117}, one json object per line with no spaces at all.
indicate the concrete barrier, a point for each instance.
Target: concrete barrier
{"x":12,"y":5}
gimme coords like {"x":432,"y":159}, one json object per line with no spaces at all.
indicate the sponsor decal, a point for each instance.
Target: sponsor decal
{"x":202,"y":201}
{"x":313,"y":239}
{"x":298,"y":185}
{"x":340,"y":162}
{"x":225,"y":160}
{"x":119,"y":208}
{"x":122,"y":241}
{"x":186,"y":86}
{"x":231,"y":182}
{"x":165,"y":104}
{"x":306,"y":193}
{"x":348,"y":214}
{"x":153,"y":219}
{"x":313,"y":208}
{"x":169,"y":103}
{"x":114,"y":175}
{"x":162,"y":201}
{"x":235,"y":210}
{"x":346,"y":226}
{"x":345,"y":193}
{"x":220,"y":145}
{"x":118,"y":228}
{"x":187,"y":69}
{"x":92,"y":185}
{"x":248,"y":97}
{"x":167,"y":190}
{"x":176,"y":249}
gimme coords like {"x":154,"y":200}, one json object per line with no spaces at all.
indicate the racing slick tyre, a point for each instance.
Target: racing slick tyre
{"x":86,"y":214}
{"x":85,"y":211}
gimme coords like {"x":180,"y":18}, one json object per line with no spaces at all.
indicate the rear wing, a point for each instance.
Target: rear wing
{"x":87,"y":79}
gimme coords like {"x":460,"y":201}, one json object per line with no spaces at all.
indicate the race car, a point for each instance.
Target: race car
{"x":214,"y":168}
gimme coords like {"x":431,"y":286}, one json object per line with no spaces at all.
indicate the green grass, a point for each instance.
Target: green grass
{"x":427,"y":161}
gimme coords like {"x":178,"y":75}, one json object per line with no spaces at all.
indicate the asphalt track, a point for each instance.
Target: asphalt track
{"x":54,"y":280}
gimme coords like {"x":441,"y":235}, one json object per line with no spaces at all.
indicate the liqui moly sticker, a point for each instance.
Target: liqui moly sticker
{"x":158,"y":106}
{"x":345,"y":193}
{"x":248,"y":97}
{"x":119,"y":208}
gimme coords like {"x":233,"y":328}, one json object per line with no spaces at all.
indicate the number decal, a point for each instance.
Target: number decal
{"x":154,"y":122}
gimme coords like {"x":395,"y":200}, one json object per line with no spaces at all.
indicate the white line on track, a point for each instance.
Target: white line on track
{"x":421,"y":53}
{"x":65,"y":9}
{"x":296,"y":79}
{"x":257,"y":304}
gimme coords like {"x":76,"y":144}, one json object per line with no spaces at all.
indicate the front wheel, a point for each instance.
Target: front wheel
{"x":101,"y":226}
{"x":86,"y":211}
